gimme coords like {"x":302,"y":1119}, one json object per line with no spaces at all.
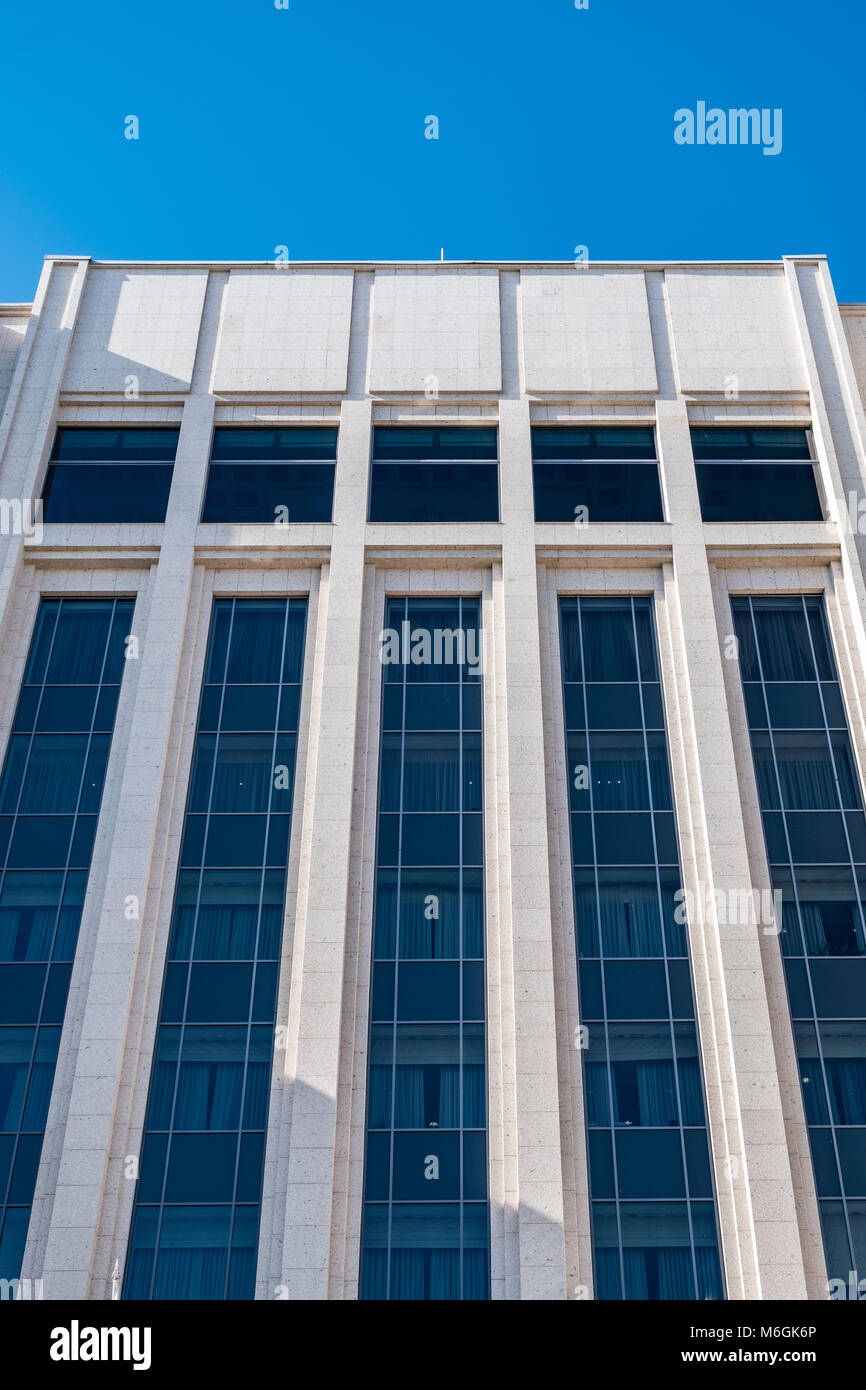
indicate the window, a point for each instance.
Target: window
{"x":50,"y":793}
{"x":595,"y":475}
{"x":425,"y":1217}
{"x":815,"y":832}
{"x":195,"y":1227}
{"x":434,"y":475}
{"x":651,"y":1189}
{"x":755,"y":475}
{"x":284,"y":475}
{"x":109,"y":475}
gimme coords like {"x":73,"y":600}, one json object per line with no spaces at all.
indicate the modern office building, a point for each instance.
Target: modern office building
{"x":432,"y":833}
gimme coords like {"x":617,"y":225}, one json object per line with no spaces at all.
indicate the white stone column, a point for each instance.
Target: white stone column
{"x":838,"y":421}
{"x":524,"y":877}
{"x":318,"y":959}
{"x":27,"y":425}
{"x":758,"y":1217}
{"x":85,"y":1095}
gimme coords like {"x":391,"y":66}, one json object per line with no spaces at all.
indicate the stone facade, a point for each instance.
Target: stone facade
{"x":668,"y":345}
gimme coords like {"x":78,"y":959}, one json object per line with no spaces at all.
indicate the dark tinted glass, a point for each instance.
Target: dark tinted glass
{"x":434,"y":492}
{"x":82,"y":445}
{"x":449,"y":444}
{"x":282,"y":493}
{"x":607,"y":492}
{"x":758,"y":492}
{"x":434,"y":475}
{"x":755,"y":444}
{"x":560,"y":442}
{"x":104,"y":475}
{"x":83,"y":492}
{"x":50,"y":793}
{"x":755,"y":475}
{"x":426,"y":1087}
{"x":643,"y":1088}
{"x":815,"y":831}
{"x":236,"y":445}
{"x":591,"y":475}
{"x":271,"y":475}
{"x":208,"y":1103}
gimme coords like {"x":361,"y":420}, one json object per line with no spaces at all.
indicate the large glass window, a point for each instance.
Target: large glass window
{"x":755,"y":475}
{"x":282,"y":475}
{"x":195,"y":1228}
{"x":109,"y":475}
{"x":425,"y":1216}
{"x":447,"y":474}
{"x":651,"y":1188}
{"x":50,"y":792}
{"x":595,"y":474}
{"x":815,"y":831}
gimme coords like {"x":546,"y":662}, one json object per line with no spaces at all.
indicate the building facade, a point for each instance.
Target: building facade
{"x":432,"y":811}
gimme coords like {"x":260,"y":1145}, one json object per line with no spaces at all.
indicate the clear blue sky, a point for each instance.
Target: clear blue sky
{"x":262,"y":127}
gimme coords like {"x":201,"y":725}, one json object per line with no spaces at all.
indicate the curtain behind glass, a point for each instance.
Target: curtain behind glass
{"x":608,"y":643}
{"x":424,"y":937}
{"x":41,"y":1079}
{"x":629,"y":918}
{"x":635,"y":1269}
{"x":79,"y":643}
{"x":15,"y":1052}
{"x":209,"y":1095}
{"x":407,"y":1274}
{"x":27,"y":934}
{"x":847,"y":1080}
{"x":53,"y":778}
{"x":619,"y":775}
{"x":190,"y":1274}
{"x":430,"y":774}
{"x":657,"y":1099}
{"x":813,"y":929}
{"x":783,"y":641}
{"x":409,"y":1097}
{"x":225,"y":933}
{"x":445,"y":1274}
{"x":676,"y":1279}
{"x":475,"y":1274}
{"x":242,"y":1270}
{"x":243,"y":773}
{"x":691,"y":1095}
{"x":709,"y":1273}
{"x":607,"y":1285}
{"x":806,"y":775}
{"x":595,"y":1078}
{"x":375,"y":1274}
{"x":571,"y":644}
{"x":257,"y":643}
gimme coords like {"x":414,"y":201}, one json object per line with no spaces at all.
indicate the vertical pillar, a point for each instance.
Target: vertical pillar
{"x":838,"y":421}
{"x":318,"y":959}
{"x":85,"y":1095}
{"x":27,"y":426}
{"x":525,"y":878}
{"x":758,"y":1217}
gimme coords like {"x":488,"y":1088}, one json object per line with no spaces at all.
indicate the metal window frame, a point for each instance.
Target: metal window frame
{"x":578,"y":603}
{"x":291,"y":604}
{"x":816,"y":602}
{"x":394,"y":1024}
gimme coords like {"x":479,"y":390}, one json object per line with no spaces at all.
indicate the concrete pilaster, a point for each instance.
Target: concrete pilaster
{"x":527,"y":910}
{"x":761,"y":1245}
{"x":313,"y":1053}
{"x":85,"y":1096}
